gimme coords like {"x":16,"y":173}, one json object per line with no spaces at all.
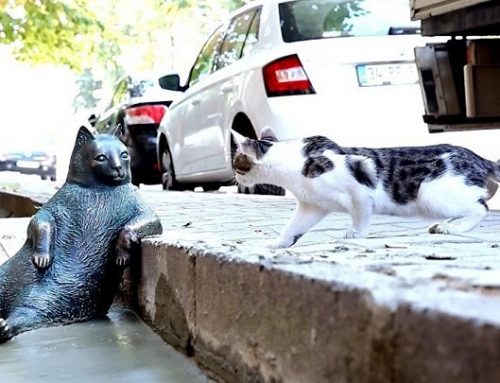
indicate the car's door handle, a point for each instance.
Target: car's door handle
{"x":227,"y":88}
{"x":195,"y":102}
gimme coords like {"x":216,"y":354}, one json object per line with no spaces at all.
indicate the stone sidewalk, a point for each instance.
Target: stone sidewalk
{"x":399,"y":306}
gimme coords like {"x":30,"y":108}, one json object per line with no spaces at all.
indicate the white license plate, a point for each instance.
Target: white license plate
{"x":387,"y":74}
{"x":27,"y":164}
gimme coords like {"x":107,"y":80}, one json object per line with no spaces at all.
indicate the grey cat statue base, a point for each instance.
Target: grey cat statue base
{"x":78,"y":243}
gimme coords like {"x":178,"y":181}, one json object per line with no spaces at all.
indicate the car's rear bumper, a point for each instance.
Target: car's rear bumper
{"x":385,"y":116}
{"x":143,"y":152}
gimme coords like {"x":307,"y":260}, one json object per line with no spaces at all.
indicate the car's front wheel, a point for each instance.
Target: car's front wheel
{"x":168,"y":181}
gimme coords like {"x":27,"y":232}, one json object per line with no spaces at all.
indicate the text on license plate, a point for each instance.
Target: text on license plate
{"x":27,"y":164}
{"x":387,"y":74}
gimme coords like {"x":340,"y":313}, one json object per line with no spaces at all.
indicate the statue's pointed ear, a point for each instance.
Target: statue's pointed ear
{"x":84,"y":135}
{"x":268,"y":135}
{"x":118,"y":131}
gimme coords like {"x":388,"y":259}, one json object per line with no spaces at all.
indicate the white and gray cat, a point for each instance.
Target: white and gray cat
{"x":441,"y":181}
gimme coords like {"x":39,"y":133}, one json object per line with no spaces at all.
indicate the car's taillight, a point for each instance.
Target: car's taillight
{"x":286,"y":76}
{"x":147,"y":114}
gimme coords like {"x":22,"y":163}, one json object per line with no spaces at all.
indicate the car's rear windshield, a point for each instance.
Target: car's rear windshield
{"x":138,"y":88}
{"x":321,"y":19}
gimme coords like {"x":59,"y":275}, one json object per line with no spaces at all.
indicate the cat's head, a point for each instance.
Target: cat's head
{"x":249,"y":159}
{"x":99,"y":159}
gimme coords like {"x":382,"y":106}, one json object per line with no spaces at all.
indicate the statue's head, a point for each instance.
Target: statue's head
{"x":99,"y":159}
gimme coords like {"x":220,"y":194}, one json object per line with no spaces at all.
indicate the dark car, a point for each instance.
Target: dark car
{"x":137,"y":105}
{"x":39,"y":162}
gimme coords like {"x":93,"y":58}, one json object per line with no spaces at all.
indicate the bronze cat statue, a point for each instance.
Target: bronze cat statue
{"x":78,"y":243}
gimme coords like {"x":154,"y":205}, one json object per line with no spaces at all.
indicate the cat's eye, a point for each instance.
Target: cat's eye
{"x":101,"y":158}
{"x":125,"y":155}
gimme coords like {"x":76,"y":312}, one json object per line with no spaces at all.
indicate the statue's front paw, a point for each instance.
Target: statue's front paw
{"x":5,"y":332}
{"x":41,"y":260}
{"x":127,"y":239}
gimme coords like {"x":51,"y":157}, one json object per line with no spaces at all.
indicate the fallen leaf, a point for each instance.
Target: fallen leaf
{"x":435,"y":257}
{"x":396,"y":246}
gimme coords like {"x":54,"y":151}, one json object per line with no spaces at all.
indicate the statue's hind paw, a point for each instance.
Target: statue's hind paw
{"x":5,"y":331}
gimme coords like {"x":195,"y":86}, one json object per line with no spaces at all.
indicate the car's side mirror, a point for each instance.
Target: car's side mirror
{"x":92,"y":119}
{"x":170,"y":82}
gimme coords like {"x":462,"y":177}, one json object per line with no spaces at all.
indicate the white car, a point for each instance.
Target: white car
{"x":340,"y":68}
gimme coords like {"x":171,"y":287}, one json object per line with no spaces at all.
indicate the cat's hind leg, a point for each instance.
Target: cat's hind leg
{"x":306,"y":216}
{"x":361,"y":214}
{"x":461,"y":224}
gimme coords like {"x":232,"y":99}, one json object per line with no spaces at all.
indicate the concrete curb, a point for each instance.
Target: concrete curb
{"x":251,"y":321}
{"x":16,"y":205}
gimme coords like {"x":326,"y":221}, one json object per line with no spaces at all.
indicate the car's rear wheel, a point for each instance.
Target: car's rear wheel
{"x":265,"y":189}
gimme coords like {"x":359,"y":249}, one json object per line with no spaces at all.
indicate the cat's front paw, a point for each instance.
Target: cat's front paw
{"x":5,"y":331}
{"x":439,"y":228}
{"x":353,"y":233}
{"x":41,"y":260}
{"x":276,"y":244}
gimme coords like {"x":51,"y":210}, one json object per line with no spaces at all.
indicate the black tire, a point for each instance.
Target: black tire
{"x":43,"y":177}
{"x":136,"y":181}
{"x":168,"y":181}
{"x":210,"y":187}
{"x":53,"y":178}
{"x":263,"y":189}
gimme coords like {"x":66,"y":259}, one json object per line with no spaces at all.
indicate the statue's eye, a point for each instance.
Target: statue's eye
{"x":124,"y":156}
{"x":101,"y":158}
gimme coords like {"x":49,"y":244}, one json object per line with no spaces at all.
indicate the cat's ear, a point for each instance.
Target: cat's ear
{"x":118,"y":131}
{"x":267,"y":134}
{"x":244,"y":144}
{"x":238,"y":138}
{"x":84,"y":135}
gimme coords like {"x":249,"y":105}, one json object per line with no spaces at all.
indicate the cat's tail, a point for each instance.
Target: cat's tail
{"x":493,"y":180}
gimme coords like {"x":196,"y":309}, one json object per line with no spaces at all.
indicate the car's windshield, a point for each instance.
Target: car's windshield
{"x":319,"y":19}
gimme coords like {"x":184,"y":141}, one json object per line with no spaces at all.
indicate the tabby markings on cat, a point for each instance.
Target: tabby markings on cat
{"x":440,"y":181}
{"x":71,"y":264}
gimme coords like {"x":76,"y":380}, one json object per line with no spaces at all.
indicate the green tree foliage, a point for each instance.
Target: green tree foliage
{"x":338,"y":18}
{"x":103,"y":39}
{"x":234,"y":4}
{"x":87,"y":85}
{"x":49,"y":31}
